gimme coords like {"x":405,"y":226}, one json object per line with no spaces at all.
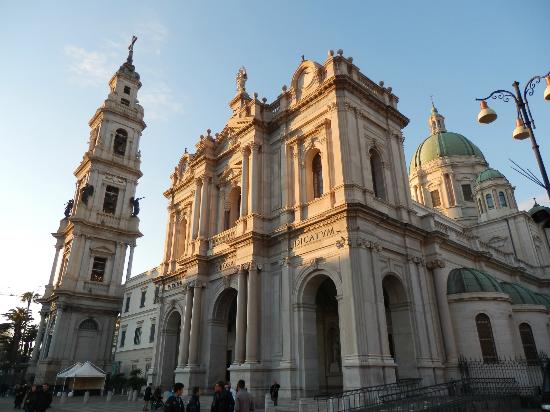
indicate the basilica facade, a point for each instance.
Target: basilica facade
{"x":300,"y":248}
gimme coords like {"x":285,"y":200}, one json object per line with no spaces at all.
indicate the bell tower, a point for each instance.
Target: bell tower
{"x":96,"y":238}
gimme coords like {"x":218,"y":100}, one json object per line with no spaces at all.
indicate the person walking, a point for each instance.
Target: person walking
{"x":44,"y":398}
{"x":194,"y":404}
{"x":147,"y":397}
{"x":174,"y":403}
{"x":31,"y":399}
{"x":223,"y":400}
{"x":20,"y":392}
{"x":156,"y":400}
{"x":230,"y":389}
{"x":244,"y":402}
{"x":274,"y":392}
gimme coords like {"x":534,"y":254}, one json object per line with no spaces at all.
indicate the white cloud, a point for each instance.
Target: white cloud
{"x":542,"y":199}
{"x":159,"y":102}
{"x":87,"y":67}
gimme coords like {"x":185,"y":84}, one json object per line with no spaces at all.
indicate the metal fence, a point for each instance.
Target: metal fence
{"x":456,"y":395}
{"x":362,"y":398}
{"x":527,"y":373}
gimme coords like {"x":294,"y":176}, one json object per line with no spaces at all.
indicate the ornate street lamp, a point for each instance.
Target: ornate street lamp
{"x":524,"y":121}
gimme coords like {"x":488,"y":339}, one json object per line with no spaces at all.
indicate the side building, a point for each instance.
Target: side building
{"x":138,"y":324}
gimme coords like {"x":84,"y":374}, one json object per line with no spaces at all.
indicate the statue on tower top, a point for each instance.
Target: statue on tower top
{"x":241,"y":80}
{"x":131,"y":50}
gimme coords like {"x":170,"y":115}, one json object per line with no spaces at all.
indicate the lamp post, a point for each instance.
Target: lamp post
{"x":524,"y":121}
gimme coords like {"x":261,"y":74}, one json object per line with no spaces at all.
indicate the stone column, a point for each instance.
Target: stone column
{"x":174,"y":241}
{"x":195,"y":325}
{"x":39,"y":337}
{"x":168,"y":240}
{"x":244,"y":184}
{"x":185,"y":329}
{"x":130,"y":260}
{"x":252,"y":312}
{"x":189,"y":228}
{"x":240,"y":332}
{"x":297,"y":185}
{"x":53,"y":349}
{"x":221,"y":210}
{"x":195,"y":211}
{"x":203,"y":220}
{"x":284,"y":177}
{"x":437,"y":267}
{"x":54,"y":265}
{"x":254,"y":177}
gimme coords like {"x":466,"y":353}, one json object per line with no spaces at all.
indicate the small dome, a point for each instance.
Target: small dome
{"x":539,"y":213}
{"x":442,"y":145}
{"x":488,"y":174}
{"x":545,"y":299}
{"x":520,"y":294}
{"x":465,"y":280}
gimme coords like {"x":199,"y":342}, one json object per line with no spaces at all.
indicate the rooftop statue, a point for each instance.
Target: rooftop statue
{"x":241,"y":80}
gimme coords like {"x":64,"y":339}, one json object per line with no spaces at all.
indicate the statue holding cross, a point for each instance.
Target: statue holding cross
{"x":131,"y":50}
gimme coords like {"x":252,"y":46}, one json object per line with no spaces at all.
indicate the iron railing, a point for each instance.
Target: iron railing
{"x":528,"y":374}
{"x":362,"y":398}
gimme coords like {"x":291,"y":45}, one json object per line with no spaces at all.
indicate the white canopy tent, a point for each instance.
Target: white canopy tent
{"x":85,"y":376}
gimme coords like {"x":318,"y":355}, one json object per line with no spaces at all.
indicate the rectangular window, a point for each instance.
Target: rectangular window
{"x":125,"y":102}
{"x":157,"y":291}
{"x":122,"y":338}
{"x":137,"y":336}
{"x":127,"y":89}
{"x":98,"y":269}
{"x":143,"y":295}
{"x":436,"y":200}
{"x":152,"y":333}
{"x":147,"y":366}
{"x":467,"y":193}
{"x":111,"y":197}
{"x":127,"y":305}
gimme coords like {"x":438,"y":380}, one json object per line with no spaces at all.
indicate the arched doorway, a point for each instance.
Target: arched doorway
{"x":222,"y":336}
{"x":399,"y":328}
{"x":170,"y":348}
{"x":321,"y":348}
{"x":86,"y":345}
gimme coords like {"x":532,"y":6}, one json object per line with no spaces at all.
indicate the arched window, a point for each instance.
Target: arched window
{"x":317,"y":170}
{"x":502,"y":199}
{"x":377,"y":172}
{"x":88,"y":324}
{"x":489,"y":201}
{"x":486,"y":340}
{"x":119,"y":146}
{"x":528,"y":342}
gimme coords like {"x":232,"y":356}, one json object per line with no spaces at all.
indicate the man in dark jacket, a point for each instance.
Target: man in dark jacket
{"x":147,"y":396}
{"x":174,"y":402}
{"x":194,"y":404}
{"x":31,"y":400}
{"x":20,"y":391}
{"x":274,"y":392}
{"x":44,"y":398}
{"x":223,"y":400}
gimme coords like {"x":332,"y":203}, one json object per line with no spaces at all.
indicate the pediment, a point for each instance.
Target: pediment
{"x":102,"y":250}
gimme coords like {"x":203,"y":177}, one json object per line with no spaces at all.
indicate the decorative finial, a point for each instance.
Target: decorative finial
{"x":434,"y":110}
{"x":330,"y":53}
{"x":241,"y":78}
{"x":185,"y":151}
{"x":130,"y":58}
{"x":208,"y":131}
{"x":535,"y":200}
{"x":303,"y":58}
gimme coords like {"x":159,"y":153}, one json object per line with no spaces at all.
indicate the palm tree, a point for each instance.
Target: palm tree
{"x":29,"y":297}
{"x":17,"y":321}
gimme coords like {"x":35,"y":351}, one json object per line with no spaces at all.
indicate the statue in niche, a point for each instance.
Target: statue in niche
{"x":86,"y":192}
{"x":135,"y":205}
{"x":69,"y":207}
{"x":242,"y":77}
{"x":333,"y":351}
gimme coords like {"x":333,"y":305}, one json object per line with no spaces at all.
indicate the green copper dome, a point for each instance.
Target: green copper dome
{"x":443,"y":144}
{"x":545,"y":299}
{"x":488,"y":174}
{"x":520,"y":294}
{"x":465,"y":280}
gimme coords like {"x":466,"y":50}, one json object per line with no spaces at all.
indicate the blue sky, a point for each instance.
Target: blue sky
{"x":59,"y":56}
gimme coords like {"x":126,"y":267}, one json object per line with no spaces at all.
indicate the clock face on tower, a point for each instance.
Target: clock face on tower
{"x":305,"y":78}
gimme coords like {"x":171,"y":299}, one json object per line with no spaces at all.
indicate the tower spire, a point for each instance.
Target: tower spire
{"x":436,"y":120}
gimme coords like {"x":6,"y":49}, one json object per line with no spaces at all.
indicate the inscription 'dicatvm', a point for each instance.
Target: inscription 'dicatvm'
{"x":321,"y":234}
